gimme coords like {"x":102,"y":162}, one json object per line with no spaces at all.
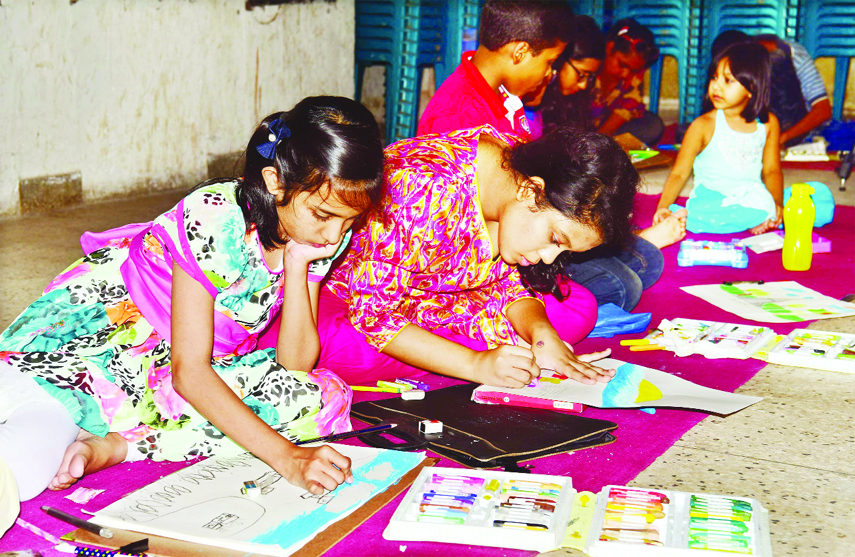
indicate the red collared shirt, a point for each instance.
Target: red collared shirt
{"x":465,"y":100}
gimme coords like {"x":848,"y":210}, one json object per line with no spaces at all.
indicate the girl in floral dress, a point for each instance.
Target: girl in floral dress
{"x":146,"y":347}
{"x":433,"y":280}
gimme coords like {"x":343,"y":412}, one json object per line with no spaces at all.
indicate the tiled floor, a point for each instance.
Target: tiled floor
{"x":793,"y":451}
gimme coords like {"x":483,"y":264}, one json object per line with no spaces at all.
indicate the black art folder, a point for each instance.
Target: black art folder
{"x":482,"y":435}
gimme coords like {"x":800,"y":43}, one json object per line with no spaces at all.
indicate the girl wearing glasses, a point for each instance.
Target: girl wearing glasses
{"x":566,"y":99}
{"x":612,"y":276}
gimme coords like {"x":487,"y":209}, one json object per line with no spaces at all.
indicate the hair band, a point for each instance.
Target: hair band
{"x":278,"y":131}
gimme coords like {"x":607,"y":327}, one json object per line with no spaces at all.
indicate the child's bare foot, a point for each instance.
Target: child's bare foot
{"x":668,"y":231}
{"x":88,"y":454}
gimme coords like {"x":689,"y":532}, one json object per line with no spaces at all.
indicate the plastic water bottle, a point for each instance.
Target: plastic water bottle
{"x":799,"y":215}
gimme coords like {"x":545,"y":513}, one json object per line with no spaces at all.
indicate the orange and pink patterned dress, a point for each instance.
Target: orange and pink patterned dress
{"x":426,"y":257}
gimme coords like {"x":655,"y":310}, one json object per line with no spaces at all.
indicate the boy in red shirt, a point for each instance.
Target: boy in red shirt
{"x":519,"y":41}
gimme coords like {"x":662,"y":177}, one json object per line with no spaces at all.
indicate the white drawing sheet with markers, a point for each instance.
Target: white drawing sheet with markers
{"x":204,"y":504}
{"x":634,"y":386}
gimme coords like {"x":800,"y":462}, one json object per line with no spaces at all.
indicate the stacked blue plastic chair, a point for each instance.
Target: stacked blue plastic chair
{"x":670,"y":22}
{"x":457,"y":16}
{"x":779,"y":17}
{"x":827,"y":28}
{"x":406,"y":36}
{"x":387,"y":34}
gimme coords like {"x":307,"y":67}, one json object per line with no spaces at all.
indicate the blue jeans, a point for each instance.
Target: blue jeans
{"x":618,"y":277}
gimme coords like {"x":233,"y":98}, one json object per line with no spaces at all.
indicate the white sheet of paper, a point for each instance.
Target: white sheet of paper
{"x":203,"y":503}
{"x":773,"y":302}
{"x":635,"y":386}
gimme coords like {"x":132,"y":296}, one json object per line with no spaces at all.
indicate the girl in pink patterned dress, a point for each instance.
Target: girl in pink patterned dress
{"x":433,"y":281}
{"x":146,"y":347}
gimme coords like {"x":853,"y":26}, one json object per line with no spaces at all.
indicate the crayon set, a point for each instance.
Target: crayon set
{"x":710,"y":339}
{"x":816,"y":349}
{"x":635,"y":521}
{"x":499,"y":509}
{"x":542,"y":513}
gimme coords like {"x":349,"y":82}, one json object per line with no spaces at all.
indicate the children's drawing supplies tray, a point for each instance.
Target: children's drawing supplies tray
{"x":542,"y":513}
{"x":711,"y":339}
{"x":816,"y":349}
{"x":475,"y":507}
{"x":722,"y":254}
{"x":637,"y":521}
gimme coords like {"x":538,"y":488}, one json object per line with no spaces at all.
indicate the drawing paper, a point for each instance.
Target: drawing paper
{"x":772,"y":302}
{"x":203,"y":503}
{"x":633,"y":386}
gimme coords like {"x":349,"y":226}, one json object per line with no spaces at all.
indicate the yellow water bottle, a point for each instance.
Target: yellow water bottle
{"x":799,"y":215}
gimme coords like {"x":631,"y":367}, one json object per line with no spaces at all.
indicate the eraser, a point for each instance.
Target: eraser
{"x":430,"y":426}
{"x":250,"y":488}
{"x":414,"y":394}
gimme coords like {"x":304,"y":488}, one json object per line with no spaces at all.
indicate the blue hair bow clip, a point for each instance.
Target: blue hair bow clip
{"x":278,"y":131}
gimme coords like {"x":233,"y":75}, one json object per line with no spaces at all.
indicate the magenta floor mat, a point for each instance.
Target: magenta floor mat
{"x":641,"y":437}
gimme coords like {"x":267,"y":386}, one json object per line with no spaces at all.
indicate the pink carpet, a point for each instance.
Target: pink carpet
{"x":641,"y":437}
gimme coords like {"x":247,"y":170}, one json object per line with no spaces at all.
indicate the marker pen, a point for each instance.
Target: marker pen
{"x":516,"y":524}
{"x":397,"y":386}
{"x":723,"y":539}
{"x":646,"y":495}
{"x":469,"y":479}
{"x":529,"y":505}
{"x":638,"y":503}
{"x":713,"y":514}
{"x":415,"y":384}
{"x":647,"y":534}
{"x":440,"y":519}
{"x":445,"y":512}
{"x":446,"y":499}
{"x":428,"y":507}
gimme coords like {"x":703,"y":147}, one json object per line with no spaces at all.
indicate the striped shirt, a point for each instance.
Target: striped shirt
{"x":813,"y":88}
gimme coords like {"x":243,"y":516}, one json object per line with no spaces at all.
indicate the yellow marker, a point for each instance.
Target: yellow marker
{"x":397,"y":386}
{"x":647,"y":348}
{"x":374,"y":389}
{"x":635,"y":342}
{"x":549,"y":380}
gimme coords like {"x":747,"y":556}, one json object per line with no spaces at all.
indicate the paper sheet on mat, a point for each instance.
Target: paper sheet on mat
{"x":203,"y":503}
{"x":773,"y":302}
{"x":635,"y":386}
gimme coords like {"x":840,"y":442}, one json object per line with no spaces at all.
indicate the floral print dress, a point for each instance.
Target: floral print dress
{"x":426,"y":258}
{"x":98,"y":338}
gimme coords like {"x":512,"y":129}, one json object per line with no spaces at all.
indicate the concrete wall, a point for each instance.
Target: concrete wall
{"x":128,"y":96}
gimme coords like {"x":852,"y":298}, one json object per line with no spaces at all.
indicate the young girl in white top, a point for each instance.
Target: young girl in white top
{"x":733,"y":151}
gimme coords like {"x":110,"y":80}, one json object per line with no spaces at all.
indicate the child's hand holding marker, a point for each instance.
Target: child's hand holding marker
{"x":316,"y":469}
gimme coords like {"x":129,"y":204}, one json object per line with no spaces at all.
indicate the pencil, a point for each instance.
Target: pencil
{"x":339,"y":436}
{"x":79,"y":522}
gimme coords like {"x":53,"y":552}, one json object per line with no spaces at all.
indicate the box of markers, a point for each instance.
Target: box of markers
{"x":816,"y":349}
{"x":482,"y":507}
{"x":542,"y":513}
{"x":638,"y":521}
